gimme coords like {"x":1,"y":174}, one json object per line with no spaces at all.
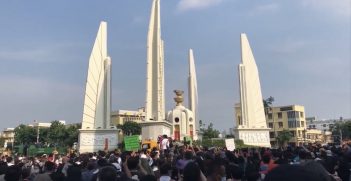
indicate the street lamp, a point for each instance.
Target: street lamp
{"x":37,"y":124}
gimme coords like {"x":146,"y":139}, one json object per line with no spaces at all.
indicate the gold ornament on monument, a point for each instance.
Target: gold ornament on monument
{"x":179,"y":99}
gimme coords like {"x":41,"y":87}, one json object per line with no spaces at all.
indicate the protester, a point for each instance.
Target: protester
{"x":185,"y":163}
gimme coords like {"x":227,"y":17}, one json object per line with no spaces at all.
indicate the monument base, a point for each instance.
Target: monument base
{"x":152,"y":129}
{"x":94,"y":140}
{"x":253,"y":136}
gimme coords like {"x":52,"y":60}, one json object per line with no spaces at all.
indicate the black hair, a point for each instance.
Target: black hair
{"x":13,"y":173}
{"x":107,"y":173}
{"x":148,"y":178}
{"x":165,"y":168}
{"x":74,"y":174}
{"x":191,"y":172}
{"x":49,"y":166}
{"x":133,"y":162}
{"x":296,"y":172}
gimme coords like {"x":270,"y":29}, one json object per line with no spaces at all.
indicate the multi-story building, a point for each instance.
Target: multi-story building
{"x":323,"y":125}
{"x":121,"y":116}
{"x":318,"y":136}
{"x":291,"y":118}
{"x":8,"y":134}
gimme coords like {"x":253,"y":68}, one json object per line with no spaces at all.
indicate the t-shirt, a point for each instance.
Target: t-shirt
{"x":165,"y":144}
{"x":165,"y":178}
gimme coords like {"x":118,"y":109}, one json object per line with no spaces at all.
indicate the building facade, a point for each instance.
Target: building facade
{"x":323,"y":125}
{"x":8,"y":134}
{"x":122,"y":116}
{"x":290,"y":118}
{"x":318,"y":136}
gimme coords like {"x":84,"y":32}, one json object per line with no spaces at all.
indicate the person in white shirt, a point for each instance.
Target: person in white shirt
{"x":165,"y":143}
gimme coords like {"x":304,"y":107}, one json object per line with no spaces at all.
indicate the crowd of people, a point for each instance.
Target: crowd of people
{"x":185,"y":163}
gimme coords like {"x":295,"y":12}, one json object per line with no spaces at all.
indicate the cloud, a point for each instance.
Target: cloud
{"x":265,"y":8}
{"x":34,"y":55}
{"x":39,"y":54}
{"x":29,"y":98}
{"x":138,"y":19}
{"x":289,"y":46}
{"x":336,"y":7}
{"x":185,"y":5}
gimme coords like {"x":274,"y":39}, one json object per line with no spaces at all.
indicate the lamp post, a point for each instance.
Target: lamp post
{"x":37,"y":124}
{"x":304,"y":136}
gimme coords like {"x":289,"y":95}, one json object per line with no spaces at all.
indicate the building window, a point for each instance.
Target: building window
{"x":190,"y":119}
{"x":280,"y":115}
{"x":280,"y":124}
{"x":301,"y":114}
{"x":271,"y":134}
{"x":239,"y":120}
{"x":292,"y":133}
{"x":286,"y":108}
{"x":324,"y":125}
{"x":270,"y":116}
{"x":302,"y":123}
{"x":270,"y":125}
{"x":291,"y":114}
{"x":292,"y":124}
{"x":176,"y":119}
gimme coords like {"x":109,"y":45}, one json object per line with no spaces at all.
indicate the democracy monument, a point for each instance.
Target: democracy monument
{"x":251,"y":125}
{"x":97,"y":132}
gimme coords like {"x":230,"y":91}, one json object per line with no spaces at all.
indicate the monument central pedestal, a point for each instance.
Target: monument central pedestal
{"x":152,"y":129}
{"x":94,"y":140}
{"x":253,"y":136}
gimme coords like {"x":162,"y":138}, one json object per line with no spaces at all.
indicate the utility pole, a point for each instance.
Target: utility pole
{"x":37,"y":124}
{"x":340,"y":136}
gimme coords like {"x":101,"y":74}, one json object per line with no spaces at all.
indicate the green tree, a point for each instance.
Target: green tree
{"x":25,"y":134}
{"x":73,"y":133}
{"x":284,"y":137}
{"x":342,"y":129}
{"x":57,"y":133}
{"x":130,"y":128}
{"x":209,"y":132}
{"x":267,"y":103}
{"x":2,"y":142}
{"x":43,"y":135}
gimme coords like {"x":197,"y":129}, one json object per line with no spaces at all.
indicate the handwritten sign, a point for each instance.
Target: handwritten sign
{"x":131,"y":143}
{"x":230,"y":144}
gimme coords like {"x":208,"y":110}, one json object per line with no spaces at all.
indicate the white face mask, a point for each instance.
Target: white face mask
{"x":223,"y":178}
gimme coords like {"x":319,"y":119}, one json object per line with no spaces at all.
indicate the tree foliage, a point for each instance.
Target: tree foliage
{"x":2,"y":141}
{"x":72,"y":134}
{"x":209,"y":132}
{"x":130,"y":128}
{"x":57,"y":134}
{"x":25,"y":134}
{"x":267,"y":103}
{"x":284,"y":137}
{"x":342,"y":127}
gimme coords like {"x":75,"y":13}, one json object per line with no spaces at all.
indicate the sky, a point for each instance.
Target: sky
{"x":302,"y":49}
